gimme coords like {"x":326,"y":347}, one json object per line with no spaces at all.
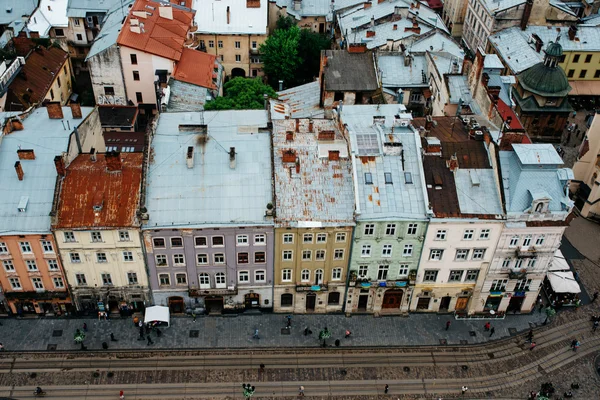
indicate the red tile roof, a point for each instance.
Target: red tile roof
{"x":196,"y":67}
{"x":36,"y":77}
{"x":505,"y":111}
{"x":88,"y":182}
{"x":160,"y":36}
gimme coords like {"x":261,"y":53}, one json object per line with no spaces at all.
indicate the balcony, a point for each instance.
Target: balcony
{"x":9,"y":74}
{"x":530,"y":251}
{"x":213,"y":292}
{"x":364,"y":283}
{"x":311,"y":288}
{"x":521,"y":274}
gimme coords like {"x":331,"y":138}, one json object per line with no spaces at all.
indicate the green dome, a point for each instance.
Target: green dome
{"x":545,"y":81}
{"x":554,"y":49}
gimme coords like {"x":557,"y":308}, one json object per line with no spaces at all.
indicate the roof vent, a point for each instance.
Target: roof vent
{"x":474,"y":178}
{"x":232,"y":157}
{"x":23,"y":203}
{"x":98,"y":202}
{"x":189,"y":158}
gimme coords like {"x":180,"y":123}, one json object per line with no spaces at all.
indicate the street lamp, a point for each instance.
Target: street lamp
{"x":248,"y":390}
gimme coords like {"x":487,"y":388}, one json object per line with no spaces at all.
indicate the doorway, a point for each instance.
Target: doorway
{"x":176,"y":305}
{"x":238,"y":72}
{"x":515,"y":304}
{"x":321,"y":28}
{"x":461,"y":303}
{"x":423,"y":303}
{"x":363,"y":300}
{"x":214,"y":305}
{"x":392,"y":299}
{"x":252,"y":300}
{"x":445,"y":304}
{"x":311,"y":301}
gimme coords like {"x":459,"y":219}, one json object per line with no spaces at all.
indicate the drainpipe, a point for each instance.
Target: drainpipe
{"x":419,"y":263}
{"x":348,"y":269}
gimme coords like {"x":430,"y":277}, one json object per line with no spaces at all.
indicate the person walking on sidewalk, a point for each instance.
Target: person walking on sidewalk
{"x":348,"y":333}
{"x":492,"y":331}
{"x":595,"y":326}
{"x":386,"y":389}
{"x":121,"y":395}
{"x":301,"y":391}
{"x":150,"y":340}
{"x":464,"y":390}
{"x":112,"y":337}
{"x":532,"y":346}
{"x":255,"y":336}
{"x":595,"y":296}
{"x":448,"y":323}
{"x":530,"y":336}
{"x":486,"y":327}
{"x":289,"y":322}
{"x":574,"y":344}
{"x":85,"y":327}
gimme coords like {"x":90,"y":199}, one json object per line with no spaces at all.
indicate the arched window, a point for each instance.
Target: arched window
{"x":318,"y":277}
{"x":220,"y":281}
{"x":287,"y":299}
{"x":539,"y":207}
{"x":305,"y":275}
{"x":204,"y":280}
{"x":334,"y":298}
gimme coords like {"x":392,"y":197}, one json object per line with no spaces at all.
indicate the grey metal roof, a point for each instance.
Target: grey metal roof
{"x":495,"y":6}
{"x":303,"y":100}
{"x":18,"y":8}
{"x":321,"y":193}
{"x":110,"y":28}
{"x":492,"y":61}
{"x":308,"y":8}
{"x":477,"y":191}
{"x":211,"y":193}
{"x":437,"y":41}
{"x":48,"y":138}
{"x":349,"y":71}
{"x":381,"y":200}
{"x":80,"y":8}
{"x":395,"y":74}
{"x":185,"y":97}
{"x":537,"y":154}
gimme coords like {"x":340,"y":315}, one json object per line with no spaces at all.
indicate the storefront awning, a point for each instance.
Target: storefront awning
{"x":584,"y":88}
{"x":559,"y":263}
{"x":563,"y":282}
{"x":157,"y":313}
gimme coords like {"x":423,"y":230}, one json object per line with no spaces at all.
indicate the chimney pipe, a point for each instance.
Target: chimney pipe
{"x":526,"y":14}
{"x":93,"y":154}
{"x":452,"y":164}
{"x":228,"y":15}
{"x":54,"y":110}
{"x":232,"y":157}
{"x":189,"y":158}
{"x":59,"y":163}
{"x":310,"y":125}
{"x":19,"y":169}
{"x":76,"y":110}
{"x":113,"y":161}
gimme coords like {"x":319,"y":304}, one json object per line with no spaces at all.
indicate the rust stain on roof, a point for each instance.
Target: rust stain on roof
{"x":88,"y":183}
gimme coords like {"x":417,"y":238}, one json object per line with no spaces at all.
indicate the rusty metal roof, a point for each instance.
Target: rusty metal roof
{"x":88,"y":183}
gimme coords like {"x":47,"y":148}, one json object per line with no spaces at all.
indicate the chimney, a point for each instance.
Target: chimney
{"x":310,"y":125}
{"x":289,"y":136}
{"x":76,"y":110}
{"x":297,"y":5}
{"x":428,"y":122}
{"x":232,"y":157}
{"x":228,"y":15}
{"x":417,"y":4}
{"x":297,"y":165}
{"x":288,"y":156}
{"x":59,"y":163}
{"x":26,"y":154}
{"x":572,"y":32}
{"x":334,"y":155}
{"x":452,"y":163}
{"x":113,"y":161}
{"x":372,"y":21}
{"x":485,"y":78}
{"x":165,"y":12}
{"x":357,"y":48}
{"x":297,"y":125}
{"x":252,"y":3}
{"x":135,"y":28}
{"x":54,"y":110}
{"x":19,"y":169}
{"x":395,"y":27}
{"x":326,"y":135}
{"x":189,"y":158}
{"x":380,"y":1}
{"x":370,"y":34}
{"x":538,"y":44}
{"x":407,"y":60}
{"x":93,"y":154}
{"x":367,"y":5}
{"x":526,"y":14}
{"x":412,"y":6}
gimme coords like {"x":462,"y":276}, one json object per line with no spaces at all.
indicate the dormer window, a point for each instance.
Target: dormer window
{"x":540,"y":206}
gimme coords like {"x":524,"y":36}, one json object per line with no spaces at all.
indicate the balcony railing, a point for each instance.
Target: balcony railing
{"x":212,"y":292}
{"x":10,"y":73}
{"x":530,"y":251}
{"x":311,"y":288}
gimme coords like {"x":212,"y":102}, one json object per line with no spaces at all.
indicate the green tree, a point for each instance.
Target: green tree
{"x":242,"y":94}
{"x":285,"y":22}
{"x":280,"y":56}
{"x":310,"y":45}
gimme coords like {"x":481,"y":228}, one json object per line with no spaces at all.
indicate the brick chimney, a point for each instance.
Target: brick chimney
{"x":367,"y":5}
{"x":54,"y":110}
{"x":452,"y":163}
{"x":417,"y":4}
{"x":288,"y":156}
{"x":526,"y":14}
{"x":19,"y":169}
{"x":380,"y":1}
{"x":228,"y":15}
{"x":252,"y":3}
{"x":311,"y":125}
{"x":113,"y":161}
{"x":26,"y":154}
{"x":297,"y":125}
{"x":370,"y":34}
{"x":297,"y":165}
{"x":76,"y":110}
{"x":334,"y":155}
{"x":289,"y":136}
{"x":59,"y":163}
{"x":326,"y":135}
{"x":395,"y":27}
{"x":572,"y":32}
{"x":357,"y":48}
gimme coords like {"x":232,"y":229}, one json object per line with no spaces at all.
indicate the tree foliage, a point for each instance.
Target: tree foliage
{"x":242,"y":94}
{"x":285,"y":22}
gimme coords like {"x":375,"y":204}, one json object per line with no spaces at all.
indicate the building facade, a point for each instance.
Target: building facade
{"x":586,"y":185}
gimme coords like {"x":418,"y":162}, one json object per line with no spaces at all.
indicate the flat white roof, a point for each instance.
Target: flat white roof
{"x":211,"y":17}
{"x":50,"y":13}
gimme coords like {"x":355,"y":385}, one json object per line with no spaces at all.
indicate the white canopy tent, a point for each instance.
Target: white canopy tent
{"x":563,"y":282}
{"x":559,"y":263}
{"x":157,"y":313}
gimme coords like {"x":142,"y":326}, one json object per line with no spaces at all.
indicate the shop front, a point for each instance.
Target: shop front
{"x":42,"y":303}
{"x":493,"y":301}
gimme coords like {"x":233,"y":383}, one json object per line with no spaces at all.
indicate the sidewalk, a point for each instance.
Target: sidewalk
{"x":236,"y":332}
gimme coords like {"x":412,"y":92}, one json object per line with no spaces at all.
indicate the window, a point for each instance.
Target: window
{"x":388,"y":178}
{"x":242,"y":258}
{"x":408,"y":178}
{"x":430,"y":276}
{"x":204,"y":280}
{"x":75,"y":257}
{"x":462,"y":254}
{"x":498,"y":285}
{"x":366,"y":250}
{"x":588,"y":58}
{"x":382,"y":272}
{"x":238,"y":58}
{"x":106,"y":279}
{"x":200,"y":241}
{"x":136,"y":75}
{"x":140,"y":99}
{"x":124,"y":236}
{"x":260,"y":276}
{"x":336,"y":274}
{"x":484,"y":234}
{"x":58,"y":77}
{"x":52,"y":94}
{"x":472,"y":275}
{"x":369,"y":229}
{"x":288,"y":238}
{"x":220,"y":44}
{"x":259,"y":257}
{"x":288,"y":255}
{"x":80,"y":278}
{"x":522,"y":285}
{"x":403,"y":270}
{"x":69,"y":237}
{"x":340,"y":237}
{"x":518,"y":263}
{"x":305,"y":275}
{"x":132,"y":278}
{"x":218,"y":241}
{"x":321,"y":237}
{"x":307,"y":238}
{"x":338,"y":254}
{"x":219,"y":258}
{"x":407,"y":251}
{"x":37,"y":283}
{"x":238,"y":45}
{"x":468,"y":234}
{"x":211,"y":44}
{"x":243,"y":276}
{"x":15,"y":283}
{"x":96,"y":236}
{"x":164,"y":280}
{"x":254,"y":44}
{"x":527,"y":241}
{"x":333,"y":298}
{"x":46,"y":246}
{"x":306,"y":255}
{"x":159,"y":243}
{"x":368,"y":178}
{"x":242,"y":240}
{"x":319,"y":276}
{"x":109,"y":91}
{"x":412,"y":229}
{"x":127,"y":256}
{"x":478,"y":254}
{"x":176,"y":242}
{"x":390,"y":229}
{"x":181,"y":279}
{"x":440,"y":235}
{"x":287,"y":299}
{"x":362,"y":271}
{"x":133,"y":58}
{"x":531,"y":262}
{"x":455,"y":276}
{"x":436,"y":254}
{"x":260,"y":239}
{"x":570,"y":73}
{"x":386,"y":251}
{"x":101,"y":257}
{"x":220,"y":280}
{"x":582,"y":73}
{"x":540,"y":240}
{"x":76,"y":21}
{"x":201,"y":259}
{"x":8,"y":265}
{"x":513,"y":241}
{"x":506,"y":262}
{"x":31,"y":265}
{"x":59,"y":32}
{"x":25,"y":247}
{"x":52,"y":265}
{"x":3,"y":248}
{"x":286,"y":275}
{"x":178,"y":259}
{"x":597,"y":73}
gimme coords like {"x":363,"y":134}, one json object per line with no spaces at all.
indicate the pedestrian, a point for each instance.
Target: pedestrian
{"x":255,"y":336}
{"x":306,"y":330}
{"x":150,"y":340}
{"x":532,"y":346}
{"x":386,"y":389}
{"x":194,"y":317}
{"x":576,"y":275}
{"x":593,"y":327}
{"x":85,"y":327}
{"x":1,"y":347}
{"x":301,"y":391}
{"x":158,"y":332}
{"x":448,"y":323}
{"x":112,"y":337}
{"x":141,"y":333}
{"x":288,"y":324}
{"x":492,"y":331}
{"x":486,"y":327}
{"x":348,"y":333}
{"x":540,"y":307}
{"x":141,"y":324}
{"x":121,"y":395}
{"x":148,"y":328}
{"x":262,"y":368}
{"x":595,"y":296}
{"x":574,"y":344}
{"x":464,"y":390}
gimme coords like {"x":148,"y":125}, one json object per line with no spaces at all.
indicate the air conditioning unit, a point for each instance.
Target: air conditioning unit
{"x":404,"y":124}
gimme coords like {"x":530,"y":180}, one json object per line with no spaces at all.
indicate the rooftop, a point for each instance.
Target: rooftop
{"x":157,"y":35}
{"x":115,"y":116}
{"x":312,"y":187}
{"x":492,"y":61}
{"x":346,"y":71}
{"x":394,"y":72}
{"x":93,"y":197}
{"x":496,"y":6}
{"x":186,"y":97}
{"x":458,"y":87}
{"x":49,"y":14}
{"x":308,"y":8}
{"x":211,"y":193}
{"x":303,"y":100}
{"x":396,"y":172}
{"x":80,"y":8}
{"x":18,"y":8}
{"x":197,"y":67}
{"x":47,"y":138}
{"x":245,"y":16}
{"x":111,"y":27}
{"x":537,"y":154}
{"x":436,"y":41}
